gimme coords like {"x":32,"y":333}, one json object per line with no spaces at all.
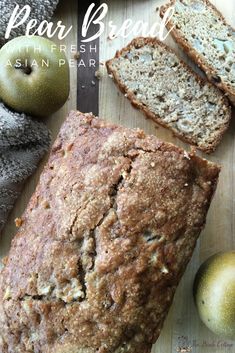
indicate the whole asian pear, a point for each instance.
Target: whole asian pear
{"x":214,"y":293}
{"x":34,"y":75}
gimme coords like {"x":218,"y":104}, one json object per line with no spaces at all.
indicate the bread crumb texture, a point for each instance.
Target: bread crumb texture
{"x":156,"y":81}
{"x":210,"y":41}
{"x":103,"y":243}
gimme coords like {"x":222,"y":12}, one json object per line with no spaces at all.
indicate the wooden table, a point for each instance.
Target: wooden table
{"x":183,"y":326}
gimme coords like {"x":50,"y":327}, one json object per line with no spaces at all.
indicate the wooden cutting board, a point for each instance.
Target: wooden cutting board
{"x":183,"y":328}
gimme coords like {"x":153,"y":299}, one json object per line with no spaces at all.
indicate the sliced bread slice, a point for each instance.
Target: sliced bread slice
{"x":157,"y":82}
{"x":201,"y":30}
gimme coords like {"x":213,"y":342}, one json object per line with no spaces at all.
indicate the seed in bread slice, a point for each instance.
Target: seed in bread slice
{"x":201,"y":30}
{"x":161,"y":85}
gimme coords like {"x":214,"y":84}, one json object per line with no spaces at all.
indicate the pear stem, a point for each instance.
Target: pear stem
{"x":26,"y":69}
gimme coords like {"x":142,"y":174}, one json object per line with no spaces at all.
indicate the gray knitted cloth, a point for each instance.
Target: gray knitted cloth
{"x":40,"y":10}
{"x":23,"y":140}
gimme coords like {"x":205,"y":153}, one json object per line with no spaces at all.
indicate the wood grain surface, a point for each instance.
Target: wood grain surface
{"x":183,"y":327}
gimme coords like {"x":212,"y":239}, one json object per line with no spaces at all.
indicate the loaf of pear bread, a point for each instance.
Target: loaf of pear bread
{"x":166,"y":90}
{"x":202,"y":31}
{"x":103,"y":242}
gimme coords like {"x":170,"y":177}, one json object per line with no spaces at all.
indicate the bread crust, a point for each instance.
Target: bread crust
{"x":139,"y":42}
{"x":195,"y":55}
{"x":103,"y":243}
